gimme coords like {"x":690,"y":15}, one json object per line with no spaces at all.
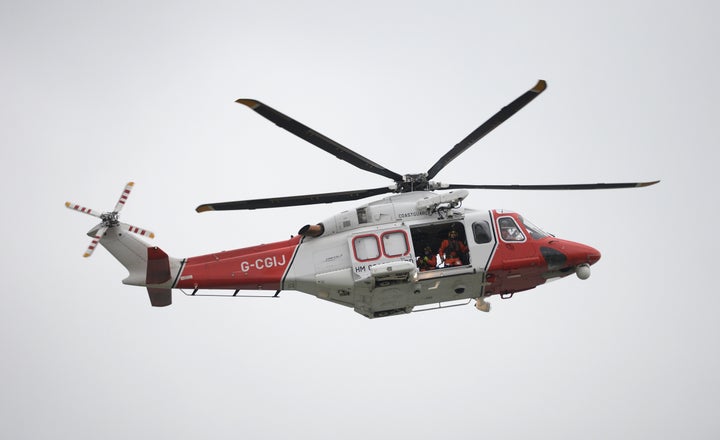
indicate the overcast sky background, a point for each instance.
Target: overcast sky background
{"x":98,"y":93}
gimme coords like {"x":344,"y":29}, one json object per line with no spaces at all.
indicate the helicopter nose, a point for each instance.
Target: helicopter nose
{"x":569,"y":253}
{"x":579,"y":253}
{"x":593,"y":255}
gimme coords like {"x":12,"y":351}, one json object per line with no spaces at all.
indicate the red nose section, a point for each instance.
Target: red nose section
{"x":578,"y":253}
{"x":593,"y":255}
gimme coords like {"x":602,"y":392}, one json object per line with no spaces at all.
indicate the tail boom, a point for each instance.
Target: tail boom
{"x":255,"y":268}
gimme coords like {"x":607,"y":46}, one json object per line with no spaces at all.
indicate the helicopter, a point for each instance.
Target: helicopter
{"x":417,"y":249}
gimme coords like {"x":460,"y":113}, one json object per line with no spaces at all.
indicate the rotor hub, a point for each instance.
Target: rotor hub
{"x":110,"y":219}
{"x":413,"y":182}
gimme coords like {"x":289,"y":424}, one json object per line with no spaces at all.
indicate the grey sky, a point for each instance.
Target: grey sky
{"x":96,"y":94}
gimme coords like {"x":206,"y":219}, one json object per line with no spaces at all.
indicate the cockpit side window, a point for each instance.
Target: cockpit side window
{"x":509,"y":230}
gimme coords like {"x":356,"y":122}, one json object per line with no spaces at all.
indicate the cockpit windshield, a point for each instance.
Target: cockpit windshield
{"x":533,"y":230}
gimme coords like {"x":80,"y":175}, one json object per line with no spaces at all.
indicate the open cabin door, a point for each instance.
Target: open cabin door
{"x":453,"y":247}
{"x":441,"y":248}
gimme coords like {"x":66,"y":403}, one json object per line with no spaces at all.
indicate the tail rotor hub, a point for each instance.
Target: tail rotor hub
{"x":109,"y":220}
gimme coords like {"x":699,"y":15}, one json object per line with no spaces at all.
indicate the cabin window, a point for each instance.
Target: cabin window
{"x":366,"y":247}
{"x":509,"y":230}
{"x":395,"y":244}
{"x":482,"y":232}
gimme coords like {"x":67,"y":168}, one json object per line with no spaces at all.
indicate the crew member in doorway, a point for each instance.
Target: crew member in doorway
{"x":428,"y":260}
{"x":453,"y":252}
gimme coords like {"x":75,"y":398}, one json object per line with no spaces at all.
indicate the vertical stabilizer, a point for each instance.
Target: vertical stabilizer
{"x":159,"y":297}
{"x":147,"y":265}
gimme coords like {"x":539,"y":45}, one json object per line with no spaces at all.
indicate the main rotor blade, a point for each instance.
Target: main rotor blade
{"x":310,"y":199}
{"x":321,"y":141}
{"x":488,"y":126}
{"x":572,"y":186}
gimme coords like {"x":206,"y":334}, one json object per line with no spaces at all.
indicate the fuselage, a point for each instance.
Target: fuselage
{"x":402,"y":253}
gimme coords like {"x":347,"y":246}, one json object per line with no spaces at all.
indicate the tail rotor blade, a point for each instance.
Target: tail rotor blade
{"x":84,"y":210}
{"x":98,"y":235}
{"x":136,"y":230}
{"x":123,"y":197}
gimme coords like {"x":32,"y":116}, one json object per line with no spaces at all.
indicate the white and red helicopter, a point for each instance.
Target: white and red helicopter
{"x":414,"y":250}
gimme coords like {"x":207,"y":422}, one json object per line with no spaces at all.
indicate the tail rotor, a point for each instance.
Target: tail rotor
{"x":108,"y":220}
